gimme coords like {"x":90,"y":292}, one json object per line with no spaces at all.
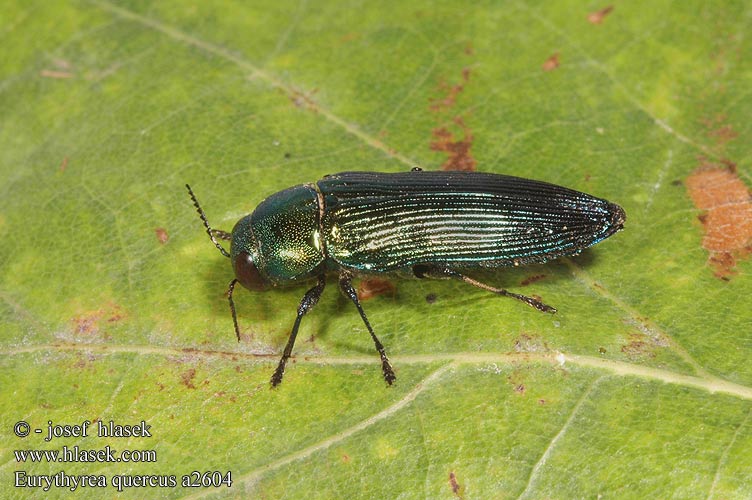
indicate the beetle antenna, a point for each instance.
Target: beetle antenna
{"x":209,"y":230}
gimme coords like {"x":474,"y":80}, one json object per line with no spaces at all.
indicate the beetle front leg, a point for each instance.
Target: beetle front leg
{"x":345,"y":284}
{"x":428,"y":271}
{"x":230,"y":291}
{"x":309,"y":300}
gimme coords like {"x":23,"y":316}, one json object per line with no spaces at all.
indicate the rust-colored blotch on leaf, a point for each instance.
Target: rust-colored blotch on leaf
{"x":551,"y":63}
{"x":598,"y":16}
{"x":727,"y":220}
{"x":371,"y":287}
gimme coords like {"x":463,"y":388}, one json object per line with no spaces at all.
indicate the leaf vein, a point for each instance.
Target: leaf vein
{"x":255,"y":475}
{"x":256,"y":72}
{"x":534,"y":473}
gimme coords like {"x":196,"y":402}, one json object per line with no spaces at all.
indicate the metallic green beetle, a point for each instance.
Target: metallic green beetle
{"x":428,"y":224}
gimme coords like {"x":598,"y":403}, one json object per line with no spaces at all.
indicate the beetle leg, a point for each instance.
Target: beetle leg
{"x":345,"y":284}
{"x":309,"y":300}
{"x":230,"y":290}
{"x":426,"y":271}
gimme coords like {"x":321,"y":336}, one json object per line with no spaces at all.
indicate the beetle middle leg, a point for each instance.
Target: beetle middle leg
{"x":428,"y":271}
{"x":345,"y":284}
{"x":310,"y":299}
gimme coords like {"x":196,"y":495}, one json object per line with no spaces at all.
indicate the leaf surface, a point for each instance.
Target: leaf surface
{"x":112,"y":301}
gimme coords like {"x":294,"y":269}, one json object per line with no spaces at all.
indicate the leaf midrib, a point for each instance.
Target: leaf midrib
{"x":707,"y":382}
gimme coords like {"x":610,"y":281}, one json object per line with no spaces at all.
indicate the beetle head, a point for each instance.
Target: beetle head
{"x":245,"y":256}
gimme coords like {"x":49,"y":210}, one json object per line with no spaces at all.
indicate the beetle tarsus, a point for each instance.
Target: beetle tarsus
{"x":428,"y":271}
{"x":345,"y":284}
{"x":310,"y":299}
{"x":532,"y":302}
{"x":500,"y":291}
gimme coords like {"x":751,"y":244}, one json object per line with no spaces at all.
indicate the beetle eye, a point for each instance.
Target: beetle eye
{"x":248,"y":274}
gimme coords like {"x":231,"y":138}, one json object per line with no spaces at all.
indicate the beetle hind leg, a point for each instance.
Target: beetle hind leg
{"x":345,"y":284}
{"x":427,"y":271}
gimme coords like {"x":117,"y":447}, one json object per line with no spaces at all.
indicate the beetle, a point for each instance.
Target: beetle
{"x":422,"y":223}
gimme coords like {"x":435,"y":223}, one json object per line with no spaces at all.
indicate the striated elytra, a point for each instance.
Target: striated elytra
{"x":423,"y":224}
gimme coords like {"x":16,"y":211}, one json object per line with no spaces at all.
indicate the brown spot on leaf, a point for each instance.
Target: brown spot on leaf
{"x":532,"y":279}
{"x":455,"y":485}
{"x":84,"y":360}
{"x":186,"y":378}
{"x":443,"y":136}
{"x":716,"y":128}
{"x":551,"y":63}
{"x":530,"y":343}
{"x":719,"y":131}
{"x":598,"y":16}
{"x":369,"y":288}
{"x":724,"y":134}
{"x":450,"y":93}
{"x":515,"y":379}
{"x":115,"y":318}
{"x":727,"y":219}
{"x":162,"y":235}
{"x":88,"y":323}
{"x":458,"y":151}
{"x":638,"y":347}
{"x":304,"y":100}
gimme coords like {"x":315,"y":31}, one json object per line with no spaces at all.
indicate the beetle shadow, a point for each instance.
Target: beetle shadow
{"x":276,"y":306}
{"x":216,"y":280}
{"x":527,"y":280}
{"x":263,"y":306}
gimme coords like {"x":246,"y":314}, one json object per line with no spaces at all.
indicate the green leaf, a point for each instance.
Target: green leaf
{"x":112,"y":299}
